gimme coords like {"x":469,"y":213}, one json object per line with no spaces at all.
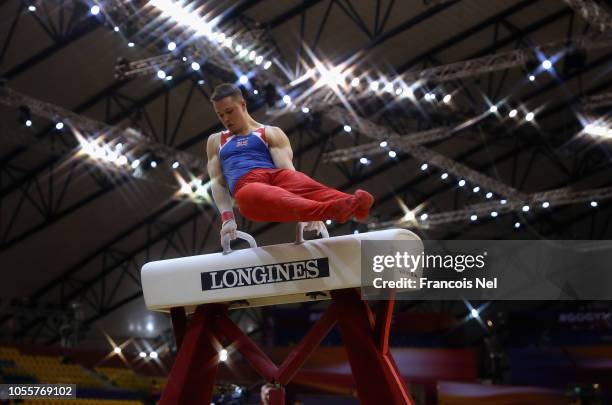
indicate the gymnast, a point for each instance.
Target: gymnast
{"x":253,"y":163}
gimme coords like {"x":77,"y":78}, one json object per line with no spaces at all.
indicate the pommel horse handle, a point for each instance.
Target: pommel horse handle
{"x":299,"y":232}
{"x":241,"y":235}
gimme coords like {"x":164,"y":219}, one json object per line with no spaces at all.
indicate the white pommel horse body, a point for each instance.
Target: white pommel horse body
{"x":327,"y":268}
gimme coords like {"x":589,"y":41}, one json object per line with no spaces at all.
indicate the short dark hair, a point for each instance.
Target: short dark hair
{"x":226,"y":90}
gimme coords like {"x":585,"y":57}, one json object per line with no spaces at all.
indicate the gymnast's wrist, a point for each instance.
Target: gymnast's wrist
{"x":227,"y":216}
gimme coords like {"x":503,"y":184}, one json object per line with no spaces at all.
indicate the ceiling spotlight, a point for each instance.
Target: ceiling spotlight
{"x":517,"y":224}
{"x":444,"y":176}
{"x":545,"y":204}
{"x":28,"y":123}
{"x":222,"y":355}
{"x":153,"y":164}
{"x":305,"y":110}
{"x":473,"y":217}
{"x":135,"y":163}
{"x":153,"y":355}
{"x":122,"y":160}
{"x":267,"y":65}
{"x":252,"y":55}
{"x":474,"y":313}
{"x":201,"y":82}
{"x":161,"y":74}
{"x":493,"y":109}
{"x":389,"y":87}
{"x":529,"y":116}
{"x":171,"y":46}
{"x":374,"y":85}
{"x":355,"y":82}
{"x":383,"y":144}
{"x":424,"y":217}
{"x":494,"y":214}
{"x":476,"y":189}
{"x":94,"y":10}
{"x":424,"y":166}
{"x":594,"y":204}
{"x":195,"y":66}
{"x":512,"y":113}
{"x":503,"y":202}
{"x":531,"y":78}
{"x":59,"y":126}
{"x":243,"y":79}
{"x":347,"y":128}
{"x":399,"y":91}
{"x":243,"y":53}
{"x":392,"y":154}
{"x":117,"y":350}
{"x":256,"y":92}
{"x":142,"y":354}
{"x":169,"y":77}
{"x":547,"y":64}
{"x":489,"y":194}
{"x":131,"y":44}
{"x":287,"y":99}
{"x":116,"y":29}
{"x":461,"y":183}
{"x":32,"y":8}
{"x":447,"y":99}
{"x":328,"y":222}
{"x":238,"y":48}
{"x":364,"y":161}
{"x":525,"y":208}
{"x":175,"y":165}
{"x":258,"y":60}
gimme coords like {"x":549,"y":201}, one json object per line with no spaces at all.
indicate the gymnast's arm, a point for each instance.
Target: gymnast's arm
{"x":280,"y":148}
{"x":220,"y":192}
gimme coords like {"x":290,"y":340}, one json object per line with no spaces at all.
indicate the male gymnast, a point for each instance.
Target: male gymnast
{"x":253,"y":163}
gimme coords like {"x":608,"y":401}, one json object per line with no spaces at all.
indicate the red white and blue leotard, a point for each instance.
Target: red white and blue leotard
{"x":266,"y":193}
{"x":239,"y":154}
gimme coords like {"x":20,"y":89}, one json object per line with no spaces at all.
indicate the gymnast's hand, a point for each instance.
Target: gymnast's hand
{"x":229,"y":227}
{"x":316,"y":226}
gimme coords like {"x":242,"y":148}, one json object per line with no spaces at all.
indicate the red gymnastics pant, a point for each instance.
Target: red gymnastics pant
{"x":283,"y":195}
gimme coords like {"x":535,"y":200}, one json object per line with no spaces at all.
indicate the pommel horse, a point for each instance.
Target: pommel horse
{"x":210,"y":285}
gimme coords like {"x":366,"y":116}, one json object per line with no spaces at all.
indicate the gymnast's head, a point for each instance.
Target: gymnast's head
{"x":230,"y":106}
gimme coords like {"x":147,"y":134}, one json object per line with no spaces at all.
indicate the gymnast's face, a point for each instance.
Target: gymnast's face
{"x":232,"y":113}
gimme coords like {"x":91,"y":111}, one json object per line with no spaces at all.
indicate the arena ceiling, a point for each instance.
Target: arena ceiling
{"x":74,"y":229}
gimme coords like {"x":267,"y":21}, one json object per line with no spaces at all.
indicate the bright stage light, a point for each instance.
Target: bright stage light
{"x":171,"y":46}
{"x":243,"y":79}
{"x":512,"y":113}
{"x":530,"y":116}
{"x":94,"y":10}
{"x":195,"y":66}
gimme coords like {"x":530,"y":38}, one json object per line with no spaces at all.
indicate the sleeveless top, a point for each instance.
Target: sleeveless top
{"x":239,"y":154}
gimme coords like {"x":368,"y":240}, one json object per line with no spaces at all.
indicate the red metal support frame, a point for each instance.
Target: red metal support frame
{"x":376,"y":380}
{"x":179,"y":324}
{"x":376,"y":375}
{"x":251,"y":352}
{"x":300,"y":353}
{"x":194,"y":371}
